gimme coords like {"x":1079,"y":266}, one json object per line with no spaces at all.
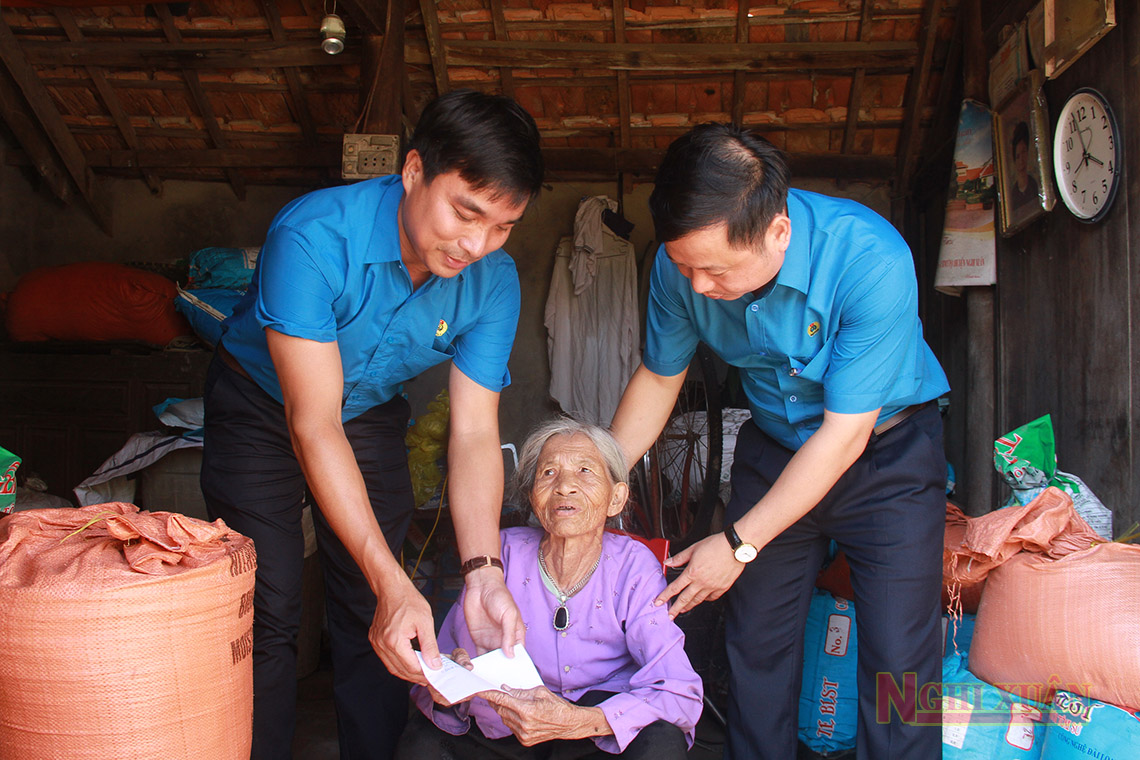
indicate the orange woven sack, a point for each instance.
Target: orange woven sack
{"x":1071,"y":623}
{"x":1048,"y":525}
{"x":94,"y":300}
{"x":955,"y":593}
{"x":125,"y":634}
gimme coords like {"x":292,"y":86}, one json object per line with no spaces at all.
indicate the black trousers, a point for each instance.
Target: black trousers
{"x":423,"y":740}
{"x":252,"y":480}
{"x":887,"y":513}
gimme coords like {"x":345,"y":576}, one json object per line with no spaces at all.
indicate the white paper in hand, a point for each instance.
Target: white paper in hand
{"x":493,"y":669}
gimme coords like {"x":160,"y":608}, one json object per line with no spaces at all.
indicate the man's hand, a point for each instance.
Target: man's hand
{"x":711,"y":570}
{"x":402,"y":614}
{"x":460,"y":657}
{"x":493,"y":618}
{"x":538,"y":715}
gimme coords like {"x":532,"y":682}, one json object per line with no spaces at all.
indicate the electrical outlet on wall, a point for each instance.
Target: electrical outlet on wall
{"x":365,"y":156}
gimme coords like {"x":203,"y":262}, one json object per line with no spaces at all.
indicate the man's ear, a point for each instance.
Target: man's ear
{"x":413,"y":170}
{"x":618,"y":499}
{"x":779,"y":233}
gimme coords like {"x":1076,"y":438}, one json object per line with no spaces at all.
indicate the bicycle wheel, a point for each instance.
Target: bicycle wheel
{"x":683,"y":465}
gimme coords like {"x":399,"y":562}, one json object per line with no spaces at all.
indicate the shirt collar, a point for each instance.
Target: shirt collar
{"x":384,"y":246}
{"x":796,"y":269}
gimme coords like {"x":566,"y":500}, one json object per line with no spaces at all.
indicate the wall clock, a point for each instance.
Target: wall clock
{"x":1086,"y":155}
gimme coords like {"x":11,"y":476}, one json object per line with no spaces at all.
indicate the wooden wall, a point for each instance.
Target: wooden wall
{"x":1066,"y":304}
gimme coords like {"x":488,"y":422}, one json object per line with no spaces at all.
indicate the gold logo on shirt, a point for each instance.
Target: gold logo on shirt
{"x":441,"y":329}
{"x":813,"y":328}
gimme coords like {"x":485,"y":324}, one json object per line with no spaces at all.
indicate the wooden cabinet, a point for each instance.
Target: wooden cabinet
{"x":65,"y":414}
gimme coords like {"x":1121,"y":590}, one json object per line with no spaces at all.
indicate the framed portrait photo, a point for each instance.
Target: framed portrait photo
{"x":1024,"y":156}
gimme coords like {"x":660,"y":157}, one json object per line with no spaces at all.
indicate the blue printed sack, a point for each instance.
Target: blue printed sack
{"x":982,"y":722}
{"x":829,"y":700}
{"x":1081,"y":728}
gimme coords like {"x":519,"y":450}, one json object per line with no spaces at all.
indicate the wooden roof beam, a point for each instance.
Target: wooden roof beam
{"x":739,"y":81}
{"x":758,"y":57}
{"x":292,"y":78}
{"x":28,"y":134}
{"x":915,"y":90}
{"x":437,"y":50}
{"x":499,"y":25}
{"x":185,"y":55}
{"x":605,"y":162}
{"x":49,"y":120}
{"x":201,"y":100}
{"x":855,"y":96}
{"x":370,"y":15}
{"x":108,"y":96}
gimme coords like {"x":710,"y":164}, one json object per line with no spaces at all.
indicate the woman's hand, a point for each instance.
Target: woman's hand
{"x":711,"y":570}
{"x":538,"y":715}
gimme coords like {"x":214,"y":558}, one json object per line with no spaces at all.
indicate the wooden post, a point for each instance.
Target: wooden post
{"x":981,"y":429}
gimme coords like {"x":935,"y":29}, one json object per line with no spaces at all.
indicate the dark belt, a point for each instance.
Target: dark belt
{"x":899,"y":416}
{"x":235,"y":365}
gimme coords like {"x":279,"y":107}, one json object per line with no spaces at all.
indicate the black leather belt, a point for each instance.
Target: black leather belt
{"x":899,"y":416}
{"x":235,"y":365}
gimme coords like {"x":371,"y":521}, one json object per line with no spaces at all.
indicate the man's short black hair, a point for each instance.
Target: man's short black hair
{"x":719,"y":174}
{"x":489,"y":139}
{"x":1021,"y":135}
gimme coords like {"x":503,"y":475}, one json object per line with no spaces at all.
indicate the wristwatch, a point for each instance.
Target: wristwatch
{"x":744,"y":552}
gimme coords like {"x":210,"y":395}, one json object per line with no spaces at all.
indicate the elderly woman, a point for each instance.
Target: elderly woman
{"x":615,"y":674}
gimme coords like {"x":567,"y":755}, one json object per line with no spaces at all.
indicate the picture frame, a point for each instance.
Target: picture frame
{"x":1023,"y":150}
{"x":1071,"y":28}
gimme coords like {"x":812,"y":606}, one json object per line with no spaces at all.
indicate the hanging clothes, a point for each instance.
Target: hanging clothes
{"x":593,"y":333}
{"x":588,"y":239}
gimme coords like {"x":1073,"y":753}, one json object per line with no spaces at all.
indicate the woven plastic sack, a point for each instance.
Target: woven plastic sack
{"x":983,"y":722}
{"x":955,"y":593}
{"x":829,"y":694}
{"x":1048,"y":525}
{"x":1072,"y":623}
{"x":97,"y":301}
{"x":1082,"y":728}
{"x":126,"y":634}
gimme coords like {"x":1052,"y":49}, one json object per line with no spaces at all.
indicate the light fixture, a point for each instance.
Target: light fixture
{"x":333,"y":31}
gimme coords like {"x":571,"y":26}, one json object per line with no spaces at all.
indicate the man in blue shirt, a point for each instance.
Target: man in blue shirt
{"x":815,"y":300}
{"x":359,"y":288}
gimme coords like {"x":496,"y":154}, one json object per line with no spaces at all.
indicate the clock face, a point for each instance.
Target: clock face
{"x":1086,"y":155}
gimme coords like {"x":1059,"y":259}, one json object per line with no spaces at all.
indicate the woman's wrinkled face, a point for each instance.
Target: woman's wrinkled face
{"x":573,"y":494}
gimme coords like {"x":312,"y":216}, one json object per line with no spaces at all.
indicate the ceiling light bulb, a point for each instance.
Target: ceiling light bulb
{"x":333,"y":31}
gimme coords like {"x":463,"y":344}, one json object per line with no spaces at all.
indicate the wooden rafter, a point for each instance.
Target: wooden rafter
{"x":108,"y":96}
{"x":739,"y":79}
{"x":760,"y":57}
{"x":855,"y":98}
{"x":499,"y":24}
{"x":915,"y":90}
{"x":436,"y":47}
{"x":28,"y":134}
{"x":47,"y":116}
{"x":187,"y":56}
{"x":369,"y":15}
{"x":201,"y":101}
{"x":292,"y":77}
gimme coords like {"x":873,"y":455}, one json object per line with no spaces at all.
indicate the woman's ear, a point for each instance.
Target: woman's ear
{"x":618,"y":497}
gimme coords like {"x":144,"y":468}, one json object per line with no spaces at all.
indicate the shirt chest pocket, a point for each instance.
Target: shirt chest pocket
{"x":812,"y":368}
{"x":421,"y":358}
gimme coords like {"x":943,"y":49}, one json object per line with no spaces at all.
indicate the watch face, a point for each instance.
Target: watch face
{"x":1086,"y":155}
{"x":745,"y":553}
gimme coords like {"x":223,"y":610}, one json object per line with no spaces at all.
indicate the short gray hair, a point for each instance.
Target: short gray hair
{"x":603,"y":440}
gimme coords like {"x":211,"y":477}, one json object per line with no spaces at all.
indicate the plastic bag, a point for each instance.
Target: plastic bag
{"x":1026,"y":459}
{"x":9,"y":462}
{"x":427,"y":443}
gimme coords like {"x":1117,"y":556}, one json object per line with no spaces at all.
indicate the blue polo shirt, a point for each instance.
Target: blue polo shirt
{"x":839,"y":329}
{"x":330,"y":270}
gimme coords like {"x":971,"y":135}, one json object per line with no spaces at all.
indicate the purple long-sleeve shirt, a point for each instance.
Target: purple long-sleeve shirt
{"x":616,"y":641}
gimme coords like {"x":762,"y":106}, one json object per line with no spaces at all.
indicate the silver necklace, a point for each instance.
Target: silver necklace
{"x":562,"y":615}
